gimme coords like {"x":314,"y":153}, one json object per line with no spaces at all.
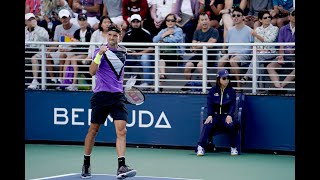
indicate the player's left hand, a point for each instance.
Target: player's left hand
{"x":208,"y":120}
{"x":228,"y":119}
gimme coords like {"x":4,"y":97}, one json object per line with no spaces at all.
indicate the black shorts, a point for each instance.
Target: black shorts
{"x":105,"y":103}
{"x":29,"y":52}
{"x":171,"y":60}
{"x":197,"y":58}
{"x":289,"y":58}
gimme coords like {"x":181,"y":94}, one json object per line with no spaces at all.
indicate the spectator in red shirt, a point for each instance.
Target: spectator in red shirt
{"x":33,"y":6}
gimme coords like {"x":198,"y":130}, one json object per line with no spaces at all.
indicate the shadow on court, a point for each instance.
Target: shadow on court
{"x":106,"y":177}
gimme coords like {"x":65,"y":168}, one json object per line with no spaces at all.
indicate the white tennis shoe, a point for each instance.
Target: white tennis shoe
{"x":234,"y":151}
{"x":71,"y":88}
{"x":34,"y":84}
{"x":200,"y":151}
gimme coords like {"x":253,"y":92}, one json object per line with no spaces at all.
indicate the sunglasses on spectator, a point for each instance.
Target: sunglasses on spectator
{"x":267,"y":17}
{"x":225,"y":78}
{"x":82,"y":19}
{"x":293,"y":13}
{"x":236,"y":15}
{"x":171,"y":20}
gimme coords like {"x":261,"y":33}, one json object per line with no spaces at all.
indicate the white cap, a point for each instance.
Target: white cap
{"x":28,"y":16}
{"x":64,"y":13}
{"x":135,"y":16}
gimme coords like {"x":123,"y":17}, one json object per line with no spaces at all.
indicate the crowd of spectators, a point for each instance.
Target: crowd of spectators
{"x":171,"y":21}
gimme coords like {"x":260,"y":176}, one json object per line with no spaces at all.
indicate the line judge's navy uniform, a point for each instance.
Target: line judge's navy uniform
{"x":220,"y":104}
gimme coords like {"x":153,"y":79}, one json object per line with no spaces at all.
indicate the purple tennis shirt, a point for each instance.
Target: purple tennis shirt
{"x":110,"y":73}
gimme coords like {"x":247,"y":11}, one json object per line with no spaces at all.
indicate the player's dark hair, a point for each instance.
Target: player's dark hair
{"x":114,"y":28}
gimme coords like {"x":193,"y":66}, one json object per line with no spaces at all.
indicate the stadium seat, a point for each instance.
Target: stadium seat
{"x":238,"y":114}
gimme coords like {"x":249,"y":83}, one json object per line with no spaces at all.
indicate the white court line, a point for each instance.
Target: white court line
{"x":151,"y":177}
{"x":50,"y":177}
{"x":111,"y":175}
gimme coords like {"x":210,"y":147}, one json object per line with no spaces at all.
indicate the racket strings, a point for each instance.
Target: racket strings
{"x":134,"y":96}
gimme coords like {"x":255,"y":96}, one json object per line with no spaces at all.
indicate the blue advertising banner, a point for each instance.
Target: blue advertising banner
{"x":164,"y":119}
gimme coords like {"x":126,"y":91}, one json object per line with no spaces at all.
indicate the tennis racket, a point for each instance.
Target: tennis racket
{"x":134,"y":96}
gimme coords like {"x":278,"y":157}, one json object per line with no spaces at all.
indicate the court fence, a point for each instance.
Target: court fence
{"x":165,"y":68}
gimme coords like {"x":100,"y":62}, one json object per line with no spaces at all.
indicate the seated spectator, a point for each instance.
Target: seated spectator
{"x":255,"y":6}
{"x":280,"y":12}
{"x":286,"y":34}
{"x":79,"y":51}
{"x":100,"y":35}
{"x":206,"y":34}
{"x":170,"y":34}
{"x":239,"y":33}
{"x":188,"y":9}
{"x":89,"y":7}
{"x":130,"y":7}
{"x":140,"y":53}
{"x":226,"y":18}
{"x":221,"y":103}
{"x":49,"y":17}
{"x":49,"y":11}
{"x":33,"y":32}
{"x":63,"y":33}
{"x":159,"y":10}
{"x":212,"y":8}
{"x":266,"y":33}
{"x":33,"y":6}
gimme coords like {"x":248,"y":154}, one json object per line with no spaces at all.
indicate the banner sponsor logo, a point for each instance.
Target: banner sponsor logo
{"x":140,"y":118}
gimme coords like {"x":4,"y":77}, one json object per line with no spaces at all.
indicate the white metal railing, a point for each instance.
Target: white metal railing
{"x":260,"y":82}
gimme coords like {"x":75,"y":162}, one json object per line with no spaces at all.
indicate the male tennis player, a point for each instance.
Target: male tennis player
{"x":108,"y":98}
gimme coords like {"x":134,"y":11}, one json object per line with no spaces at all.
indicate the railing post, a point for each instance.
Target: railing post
{"x":204,"y":68}
{"x":93,"y":82}
{"x":43,"y":67}
{"x":254,"y":69}
{"x":156,"y":68}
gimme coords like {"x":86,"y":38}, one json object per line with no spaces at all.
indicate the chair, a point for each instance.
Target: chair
{"x":238,"y":114}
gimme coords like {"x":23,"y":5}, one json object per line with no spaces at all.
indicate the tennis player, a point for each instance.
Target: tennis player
{"x":108,"y":98}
